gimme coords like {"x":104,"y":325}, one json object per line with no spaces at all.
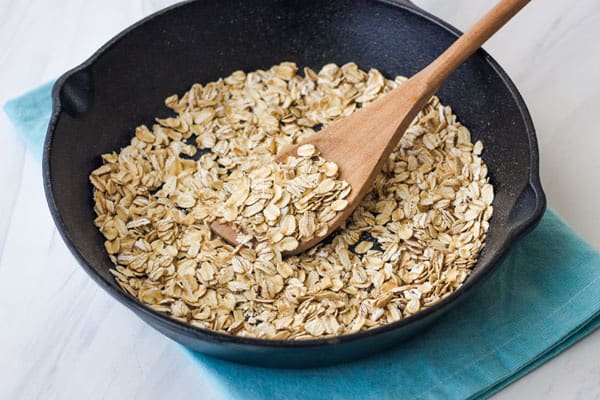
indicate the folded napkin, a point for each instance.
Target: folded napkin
{"x":544,"y":297}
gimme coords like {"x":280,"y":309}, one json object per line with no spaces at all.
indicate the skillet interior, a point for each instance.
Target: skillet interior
{"x":98,"y":104}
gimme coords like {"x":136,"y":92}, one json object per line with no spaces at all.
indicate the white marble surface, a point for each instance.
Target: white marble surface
{"x":64,"y":338}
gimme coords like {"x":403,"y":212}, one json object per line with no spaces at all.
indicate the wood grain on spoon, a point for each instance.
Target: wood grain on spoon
{"x":361,"y":142}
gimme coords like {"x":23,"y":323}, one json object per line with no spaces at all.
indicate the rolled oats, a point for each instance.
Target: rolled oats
{"x":412,"y":241}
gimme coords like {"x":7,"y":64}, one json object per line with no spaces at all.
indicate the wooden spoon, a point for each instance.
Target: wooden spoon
{"x":361,"y":142}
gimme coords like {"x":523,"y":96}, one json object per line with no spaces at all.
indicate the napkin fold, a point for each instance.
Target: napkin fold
{"x":544,"y":297}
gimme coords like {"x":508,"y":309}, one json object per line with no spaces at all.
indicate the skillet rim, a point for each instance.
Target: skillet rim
{"x":517,"y":228}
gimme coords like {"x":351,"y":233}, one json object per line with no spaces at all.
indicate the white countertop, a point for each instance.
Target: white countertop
{"x":64,"y":338}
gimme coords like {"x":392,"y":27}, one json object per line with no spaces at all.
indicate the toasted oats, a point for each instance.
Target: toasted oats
{"x":339,"y":205}
{"x":288,"y":244}
{"x":363,"y":247}
{"x":307,"y":150}
{"x":414,"y":238}
{"x":405,"y":232}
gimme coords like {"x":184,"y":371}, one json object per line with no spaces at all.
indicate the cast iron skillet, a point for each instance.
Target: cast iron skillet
{"x":97,"y":105}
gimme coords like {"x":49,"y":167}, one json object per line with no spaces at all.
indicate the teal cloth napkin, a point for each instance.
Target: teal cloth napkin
{"x":544,"y":297}
{"x":30,"y":114}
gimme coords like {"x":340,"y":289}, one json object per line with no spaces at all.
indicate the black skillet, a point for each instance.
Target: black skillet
{"x":97,"y":105}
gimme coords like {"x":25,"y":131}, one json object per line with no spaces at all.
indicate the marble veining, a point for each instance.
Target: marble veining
{"x":65,"y":338}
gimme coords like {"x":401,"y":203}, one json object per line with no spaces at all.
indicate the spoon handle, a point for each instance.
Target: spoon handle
{"x":438,"y":71}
